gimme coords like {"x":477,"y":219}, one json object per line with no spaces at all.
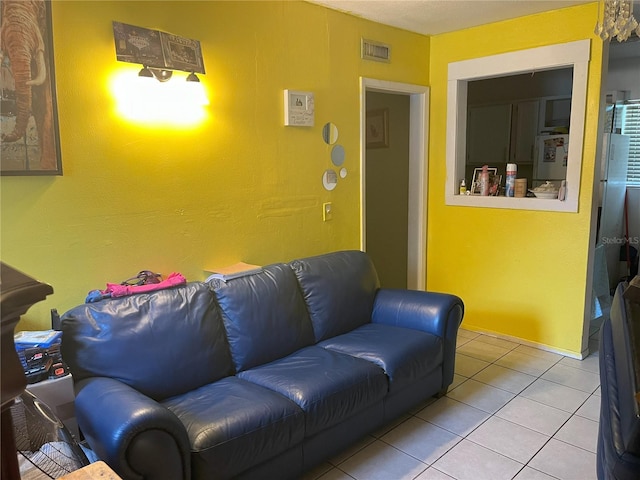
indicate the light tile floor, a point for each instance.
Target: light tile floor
{"x":512,"y":412}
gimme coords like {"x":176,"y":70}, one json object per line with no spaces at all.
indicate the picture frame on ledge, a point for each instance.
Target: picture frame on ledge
{"x":494,"y":181}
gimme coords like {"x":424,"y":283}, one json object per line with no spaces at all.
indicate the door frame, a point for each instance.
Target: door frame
{"x":418,"y":171}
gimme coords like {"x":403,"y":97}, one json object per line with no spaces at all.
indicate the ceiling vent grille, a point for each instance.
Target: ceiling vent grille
{"x":376,"y":51}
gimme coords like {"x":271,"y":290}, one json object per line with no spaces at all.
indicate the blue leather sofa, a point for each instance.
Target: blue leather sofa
{"x":618,"y":451}
{"x":263,"y":376}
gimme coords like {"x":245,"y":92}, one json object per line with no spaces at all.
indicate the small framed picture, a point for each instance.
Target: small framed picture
{"x":298,"y":109}
{"x":377,"y":135}
{"x":494,"y":182}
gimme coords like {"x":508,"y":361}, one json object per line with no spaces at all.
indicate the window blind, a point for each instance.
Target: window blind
{"x":631,"y":127}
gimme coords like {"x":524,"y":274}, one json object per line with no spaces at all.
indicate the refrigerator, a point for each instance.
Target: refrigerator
{"x":550,"y":159}
{"x":612,"y":193}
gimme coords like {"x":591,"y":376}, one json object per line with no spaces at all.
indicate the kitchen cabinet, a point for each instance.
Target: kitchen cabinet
{"x":488,"y":134}
{"x":524,"y":130}
{"x":555,"y":112}
{"x":502,"y":133}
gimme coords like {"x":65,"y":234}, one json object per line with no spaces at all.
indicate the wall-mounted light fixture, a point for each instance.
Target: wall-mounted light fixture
{"x":159,"y":74}
{"x":143,"y":100}
{"x":162,"y":75}
{"x":192,"y":77}
{"x":158,"y":52}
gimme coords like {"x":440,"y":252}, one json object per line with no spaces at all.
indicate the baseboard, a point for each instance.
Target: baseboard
{"x":528,"y":343}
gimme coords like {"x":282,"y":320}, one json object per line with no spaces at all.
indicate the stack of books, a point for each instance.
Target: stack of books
{"x":236,"y":270}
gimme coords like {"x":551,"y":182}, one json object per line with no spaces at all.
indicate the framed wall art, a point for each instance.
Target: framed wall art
{"x":377,"y":135}
{"x":299,"y":108}
{"x":29,"y":135}
{"x":157,"y":49}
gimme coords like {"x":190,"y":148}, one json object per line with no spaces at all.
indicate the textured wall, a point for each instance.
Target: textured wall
{"x":238,"y":186}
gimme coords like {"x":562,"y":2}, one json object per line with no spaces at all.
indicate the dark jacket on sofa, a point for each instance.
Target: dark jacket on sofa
{"x":263,"y":376}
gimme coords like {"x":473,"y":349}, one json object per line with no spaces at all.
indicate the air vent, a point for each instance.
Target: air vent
{"x":376,"y":51}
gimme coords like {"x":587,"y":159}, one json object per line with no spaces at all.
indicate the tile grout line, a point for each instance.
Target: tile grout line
{"x":491,"y":415}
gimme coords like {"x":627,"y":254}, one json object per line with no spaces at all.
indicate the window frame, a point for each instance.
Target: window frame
{"x":631,"y":127}
{"x":572,"y":54}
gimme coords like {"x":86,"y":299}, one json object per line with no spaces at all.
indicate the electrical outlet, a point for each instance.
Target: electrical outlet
{"x":327,"y":212}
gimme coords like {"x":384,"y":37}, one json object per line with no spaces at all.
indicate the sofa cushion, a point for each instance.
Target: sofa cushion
{"x":328,"y":386}
{"x":233,"y":425}
{"x":264,"y":315}
{"x":161,"y":343}
{"x":339,"y":289}
{"x":405,"y":355}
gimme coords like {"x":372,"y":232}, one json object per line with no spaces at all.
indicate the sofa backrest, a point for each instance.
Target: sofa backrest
{"x":264,"y":314}
{"x":339,"y":289}
{"x":162,"y":343}
{"x":624,"y":317}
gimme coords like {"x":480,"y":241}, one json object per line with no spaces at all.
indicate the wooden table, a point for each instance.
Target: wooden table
{"x":95,"y":471}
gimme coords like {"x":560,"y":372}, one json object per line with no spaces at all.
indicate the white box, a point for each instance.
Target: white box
{"x":57,"y":394}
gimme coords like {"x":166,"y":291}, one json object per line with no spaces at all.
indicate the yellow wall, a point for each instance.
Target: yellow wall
{"x":520,"y":273}
{"x":240,"y":186}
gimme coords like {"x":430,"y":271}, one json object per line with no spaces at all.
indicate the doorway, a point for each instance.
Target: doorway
{"x":400,"y":257}
{"x":613,"y":217}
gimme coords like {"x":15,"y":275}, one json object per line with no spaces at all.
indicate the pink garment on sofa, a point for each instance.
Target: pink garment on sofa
{"x":117,"y":290}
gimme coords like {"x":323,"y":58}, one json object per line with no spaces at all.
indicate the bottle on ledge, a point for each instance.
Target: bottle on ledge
{"x":484,"y":180}
{"x":512,"y":170}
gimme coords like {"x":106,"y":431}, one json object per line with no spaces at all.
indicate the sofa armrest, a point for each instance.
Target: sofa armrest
{"x":437,"y":313}
{"x":134,"y":434}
